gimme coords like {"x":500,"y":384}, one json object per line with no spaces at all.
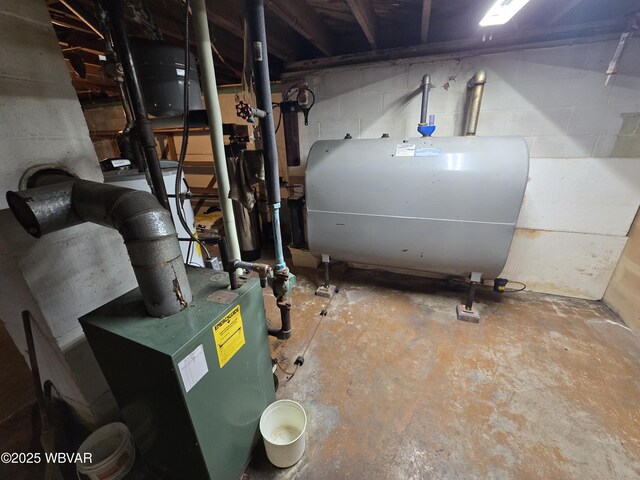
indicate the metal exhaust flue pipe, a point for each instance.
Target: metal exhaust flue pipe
{"x":476,"y":83}
{"x":426,"y":80}
{"x":145,"y":226}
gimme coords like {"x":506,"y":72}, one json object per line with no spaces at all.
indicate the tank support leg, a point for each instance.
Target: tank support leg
{"x":326,"y":290}
{"x":466,"y":312}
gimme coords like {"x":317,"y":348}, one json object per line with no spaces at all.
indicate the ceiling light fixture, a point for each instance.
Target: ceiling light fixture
{"x":502,"y":11}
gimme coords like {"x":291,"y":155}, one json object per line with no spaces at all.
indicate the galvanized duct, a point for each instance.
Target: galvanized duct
{"x":145,"y":226}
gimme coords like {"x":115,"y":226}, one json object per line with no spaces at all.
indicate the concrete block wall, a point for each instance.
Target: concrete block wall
{"x":67,"y":274}
{"x":583,"y":136}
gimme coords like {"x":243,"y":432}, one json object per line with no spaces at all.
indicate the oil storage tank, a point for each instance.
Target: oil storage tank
{"x":445,"y":206}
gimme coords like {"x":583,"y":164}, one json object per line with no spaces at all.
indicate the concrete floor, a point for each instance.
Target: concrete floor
{"x":396,"y":388}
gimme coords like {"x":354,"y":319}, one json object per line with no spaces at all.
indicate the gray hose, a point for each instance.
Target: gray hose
{"x":145,"y":226}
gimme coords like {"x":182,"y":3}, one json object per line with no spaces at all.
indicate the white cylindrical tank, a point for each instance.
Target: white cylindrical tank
{"x":138,"y":181}
{"x":446,"y":206}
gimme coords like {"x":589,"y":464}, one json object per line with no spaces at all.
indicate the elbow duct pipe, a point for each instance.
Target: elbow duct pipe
{"x":207,"y":70}
{"x":145,"y":226}
{"x":476,"y":83}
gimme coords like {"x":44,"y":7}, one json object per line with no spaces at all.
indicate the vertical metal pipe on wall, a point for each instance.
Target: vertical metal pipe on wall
{"x":116,"y":22}
{"x":426,"y":80}
{"x":255,"y":16}
{"x":207,"y":70}
{"x":477,"y":85}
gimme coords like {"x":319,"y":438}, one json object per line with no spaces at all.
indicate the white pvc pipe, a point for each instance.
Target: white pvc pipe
{"x":208,"y":73}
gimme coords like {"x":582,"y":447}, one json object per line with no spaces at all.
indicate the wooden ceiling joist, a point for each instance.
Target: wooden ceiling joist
{"x":71,"y":25}
{"x":83,"y":15}
{"x":366,"y":17}
{"x":424,"y":23}
{"x":229,"y":14}
{"x":304,"y":20}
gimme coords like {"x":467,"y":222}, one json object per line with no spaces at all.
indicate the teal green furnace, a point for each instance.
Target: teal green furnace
{"x":192,"y":386}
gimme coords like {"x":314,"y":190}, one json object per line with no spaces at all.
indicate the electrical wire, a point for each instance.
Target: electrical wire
{"x":287,"y":373}
{"x":279,"y":121}
{"x":515,"y":290}
{"x":507,"y":290}
{"x":185,"y":134}
{"x":323,"y":314}
{"x":189,"y":253}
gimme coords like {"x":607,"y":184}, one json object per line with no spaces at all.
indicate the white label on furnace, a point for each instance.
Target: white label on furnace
{"x":180,"y":72}
{"x":406,"y":150}
{"x":123,"y":162}
{"x":193,"y":367}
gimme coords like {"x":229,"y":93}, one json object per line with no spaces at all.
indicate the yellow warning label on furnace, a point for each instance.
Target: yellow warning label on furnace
{"x":229,"y":335}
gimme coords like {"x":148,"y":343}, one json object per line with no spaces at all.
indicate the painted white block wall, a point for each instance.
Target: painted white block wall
{"x":64,"y":275}
{"x":584,"y":140}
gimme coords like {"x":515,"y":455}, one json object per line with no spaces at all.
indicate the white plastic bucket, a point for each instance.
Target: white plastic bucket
{"x":282,"y":426}
{"x":112,"y":453}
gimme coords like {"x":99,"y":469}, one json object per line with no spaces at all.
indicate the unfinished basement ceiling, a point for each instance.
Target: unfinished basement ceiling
{"x":308,"y":33}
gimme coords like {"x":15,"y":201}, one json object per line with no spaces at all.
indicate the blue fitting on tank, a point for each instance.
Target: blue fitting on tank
{"x":426,"y":130}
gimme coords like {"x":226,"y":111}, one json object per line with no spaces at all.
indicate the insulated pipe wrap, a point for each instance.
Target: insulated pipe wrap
{"x":146,"y":227}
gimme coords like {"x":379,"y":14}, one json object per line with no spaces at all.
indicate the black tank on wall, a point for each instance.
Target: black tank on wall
{"x":161,"y":69}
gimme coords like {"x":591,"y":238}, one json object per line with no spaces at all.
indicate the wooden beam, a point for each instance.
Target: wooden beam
{"x":81,"y":84}
{"x":568,"y":6}
{"x":83,"y":15}
{"x":424,"y":24}
{"x":366,"y":18}
{"x":524,"y":38}
{"x":80,"y":41}
{"x":70,"y":25}
{"x":304,"y":20}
